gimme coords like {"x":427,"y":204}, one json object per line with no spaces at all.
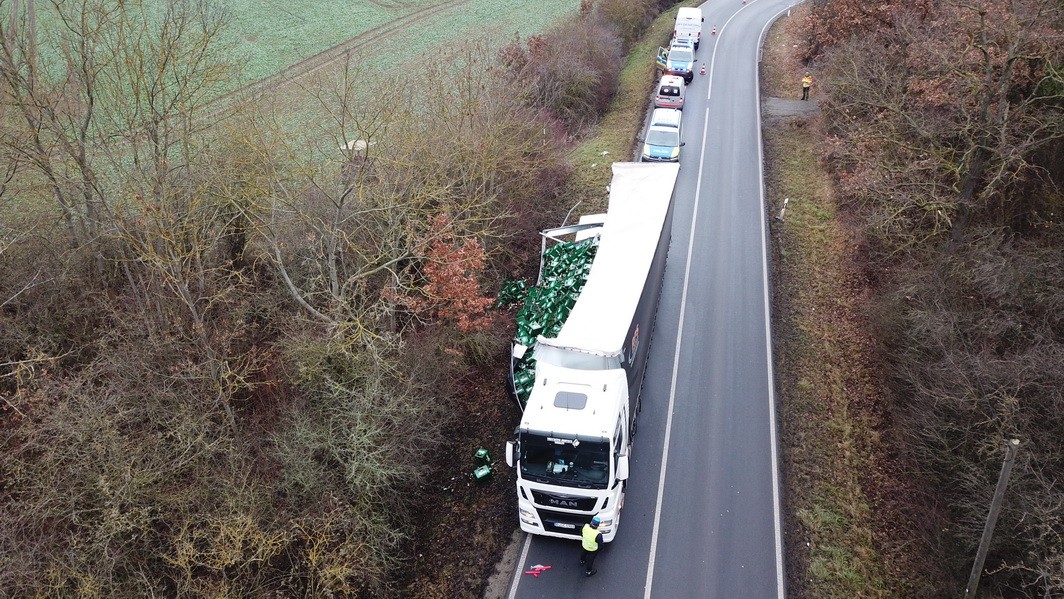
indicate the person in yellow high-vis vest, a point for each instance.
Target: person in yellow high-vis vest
{"x":590,"y":540}
{"x":807,"y":82}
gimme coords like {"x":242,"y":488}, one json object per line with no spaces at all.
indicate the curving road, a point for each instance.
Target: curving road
{"x":702,"y":512}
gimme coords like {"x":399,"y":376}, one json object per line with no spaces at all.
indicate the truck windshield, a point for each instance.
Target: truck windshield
{"x":558,"y":462}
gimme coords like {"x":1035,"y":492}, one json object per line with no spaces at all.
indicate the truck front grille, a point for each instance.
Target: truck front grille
{"x":567,"y":502}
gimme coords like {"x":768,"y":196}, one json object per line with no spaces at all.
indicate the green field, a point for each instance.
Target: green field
{"x":272,"y":35}
{"x":268,"y":36}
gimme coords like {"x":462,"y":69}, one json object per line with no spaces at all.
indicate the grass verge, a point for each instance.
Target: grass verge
{"x":821,"y":352}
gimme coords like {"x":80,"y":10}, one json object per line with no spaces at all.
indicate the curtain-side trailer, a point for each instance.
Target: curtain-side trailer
{"x":572,"y":446}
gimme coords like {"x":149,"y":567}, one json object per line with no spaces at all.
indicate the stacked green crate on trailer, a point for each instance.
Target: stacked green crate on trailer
{"x":564,"y":266}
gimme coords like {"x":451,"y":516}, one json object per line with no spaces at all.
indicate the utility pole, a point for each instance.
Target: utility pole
{"x":991,"y":519}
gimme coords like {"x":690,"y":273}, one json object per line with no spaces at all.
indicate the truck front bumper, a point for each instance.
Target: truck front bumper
{"x":565,"y":525}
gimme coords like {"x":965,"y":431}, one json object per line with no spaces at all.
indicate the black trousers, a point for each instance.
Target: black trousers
{"x":805,"y":93}
{"x":588,"y":559}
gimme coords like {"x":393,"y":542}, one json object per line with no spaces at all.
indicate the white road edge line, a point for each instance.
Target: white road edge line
{"x":773,"y":433}
{"x":648,"y":587}
{"x":520,"y":567}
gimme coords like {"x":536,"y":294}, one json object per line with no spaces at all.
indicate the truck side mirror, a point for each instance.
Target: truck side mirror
{"x":622,"y":467}
{"x":510,"y":461}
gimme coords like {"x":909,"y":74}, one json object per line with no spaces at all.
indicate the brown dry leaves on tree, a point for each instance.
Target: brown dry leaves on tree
{"x":941,"y":118}
{"x":833,"y":22}
{"x":452,"y":292}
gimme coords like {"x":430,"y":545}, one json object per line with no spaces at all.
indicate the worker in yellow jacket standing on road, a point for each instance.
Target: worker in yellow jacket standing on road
{"x":590,"y":540}
{"x":807,"y":82}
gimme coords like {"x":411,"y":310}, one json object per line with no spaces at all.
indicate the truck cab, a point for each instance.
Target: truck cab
{"x":572,"y":450}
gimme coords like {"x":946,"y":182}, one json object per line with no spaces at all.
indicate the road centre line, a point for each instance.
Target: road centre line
{"x":648,"y":588}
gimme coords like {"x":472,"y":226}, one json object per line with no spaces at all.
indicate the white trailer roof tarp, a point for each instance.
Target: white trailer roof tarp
{"x":640,"y":194}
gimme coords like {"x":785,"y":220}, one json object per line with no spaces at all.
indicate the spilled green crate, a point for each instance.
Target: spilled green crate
{"x":546,"y":306}
{"x":512,"y":292}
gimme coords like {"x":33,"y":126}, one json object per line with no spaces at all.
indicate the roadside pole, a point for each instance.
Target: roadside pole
{"x":991,"y":519}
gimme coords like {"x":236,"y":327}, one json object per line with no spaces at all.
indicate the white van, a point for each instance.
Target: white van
{"x":662,"y":143}
{"x":670,"y":93}
{"x":689,"y":25}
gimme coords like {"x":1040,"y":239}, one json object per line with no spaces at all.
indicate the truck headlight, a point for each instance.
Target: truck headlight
{"x":675,"y":152}
{"x":527,"y":517}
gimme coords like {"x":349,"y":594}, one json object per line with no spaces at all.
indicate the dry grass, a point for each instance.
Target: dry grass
{"x":825,"y":380}
{"x":781,"y":70}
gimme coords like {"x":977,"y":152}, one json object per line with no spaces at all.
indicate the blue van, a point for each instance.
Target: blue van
{"x":681,"y":60}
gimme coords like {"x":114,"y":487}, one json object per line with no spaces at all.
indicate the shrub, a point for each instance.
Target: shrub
{"x":571,"y":71}
{"x":111,"y":467}
{"x":629,"y":17}
{"x":357,"y":446}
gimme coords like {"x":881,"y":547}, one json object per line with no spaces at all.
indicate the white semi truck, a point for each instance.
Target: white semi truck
{"x":572,"y":446}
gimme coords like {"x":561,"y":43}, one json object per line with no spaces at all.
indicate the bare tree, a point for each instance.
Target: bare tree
{"x":942,"y":116}
{"x":349,"y":211}
{"x":122,"y":84}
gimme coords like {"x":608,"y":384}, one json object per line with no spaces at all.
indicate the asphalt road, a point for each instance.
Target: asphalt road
{"x":702,"y":510}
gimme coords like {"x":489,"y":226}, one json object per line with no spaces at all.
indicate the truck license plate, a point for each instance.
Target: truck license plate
{"x":564,"y":525}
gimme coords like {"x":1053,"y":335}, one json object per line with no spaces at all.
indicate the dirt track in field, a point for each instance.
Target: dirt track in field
{"x":393,"y":4}
{"x":219,"y":106}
